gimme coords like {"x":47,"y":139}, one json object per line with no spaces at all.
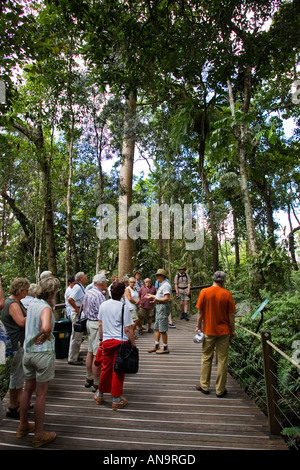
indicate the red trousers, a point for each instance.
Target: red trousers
{"x":110,"y":381}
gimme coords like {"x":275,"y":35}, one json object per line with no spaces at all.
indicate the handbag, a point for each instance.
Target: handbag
{"x":127,"y":360}
{"x":80,"y":324}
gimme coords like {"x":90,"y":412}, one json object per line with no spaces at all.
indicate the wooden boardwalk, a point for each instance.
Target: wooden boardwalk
{"x":164,"y":411}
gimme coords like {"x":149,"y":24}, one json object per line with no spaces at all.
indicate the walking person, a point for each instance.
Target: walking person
{"x":216,"y":319}
{"x":39,"y":361}
{"x":111,"y":335}
{"x":161,"y":299}
{"x":75,"y":300}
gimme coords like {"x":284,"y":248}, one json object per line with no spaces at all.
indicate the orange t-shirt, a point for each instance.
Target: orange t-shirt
{"x":216,"y":303}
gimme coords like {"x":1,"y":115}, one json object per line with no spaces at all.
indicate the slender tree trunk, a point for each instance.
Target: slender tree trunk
{"x":240,"y":131}
{"x":236,"y":240}
{"x":69,"y":212}
{"x":36,"y":136}
{"x":212,"y":223}
{"x":125,"y":189}
{"x":240,"y":135}
{"x":292,"y":240}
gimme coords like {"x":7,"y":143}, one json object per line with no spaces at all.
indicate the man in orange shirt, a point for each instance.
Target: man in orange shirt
{"x":216,"y":318}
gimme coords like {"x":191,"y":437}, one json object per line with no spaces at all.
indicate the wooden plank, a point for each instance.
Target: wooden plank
{"x":164,"y":410}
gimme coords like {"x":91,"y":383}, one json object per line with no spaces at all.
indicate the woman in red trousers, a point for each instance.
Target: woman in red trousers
{"x":111,"y":335}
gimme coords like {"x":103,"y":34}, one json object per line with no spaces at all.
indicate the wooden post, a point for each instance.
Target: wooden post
{"x":271,"y":383}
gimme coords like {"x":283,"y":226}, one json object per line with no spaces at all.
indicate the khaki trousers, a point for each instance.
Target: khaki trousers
{"x":75,"y":340}
{"x":221,"y":343}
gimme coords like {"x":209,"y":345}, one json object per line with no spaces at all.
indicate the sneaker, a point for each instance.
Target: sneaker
{"x":76,"y":363}
{"x":186,"y":317}
{"x":164,"y":350}
{"x":98,"y":400}
{"x":154,"y":349}
{"x":119,"y":404}
{"x":171,"y":325}
{"x":182,"y":316}
{"x":150,"y":330}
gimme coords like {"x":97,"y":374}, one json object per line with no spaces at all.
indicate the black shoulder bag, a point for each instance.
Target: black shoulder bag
{"x":80,"y":324}
{"x":127,"y":360}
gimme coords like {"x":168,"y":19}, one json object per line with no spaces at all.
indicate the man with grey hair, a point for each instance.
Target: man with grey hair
{"x":75,"y":300}
{"x":92,"y":300}
{"x":216,"y":318}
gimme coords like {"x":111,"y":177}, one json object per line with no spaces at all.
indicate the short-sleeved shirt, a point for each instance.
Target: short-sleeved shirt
{"x":216,"y":303}
{"x":110,"y":313}
{"x":163,"y":289}
{"x":146,"y":303}
{"x":183,"y":280}
{"x":91,"y":303}
{"x":77,"y":294}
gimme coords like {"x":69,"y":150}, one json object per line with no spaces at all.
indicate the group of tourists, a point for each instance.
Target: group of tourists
{"x":28,"y":316}
{"x":101,"y":305}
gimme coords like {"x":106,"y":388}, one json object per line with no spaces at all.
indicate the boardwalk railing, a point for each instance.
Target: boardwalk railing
{"x":272,"y":379}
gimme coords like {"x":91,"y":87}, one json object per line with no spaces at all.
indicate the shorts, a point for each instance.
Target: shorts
{"x":39,"y":366}
{"x":16,"y":380}
{"x":183,"y":296}
{"x":134,"y":314}
{"x":92,"y":328}
{"x":161,"y":318}
{"x":145,"y":312}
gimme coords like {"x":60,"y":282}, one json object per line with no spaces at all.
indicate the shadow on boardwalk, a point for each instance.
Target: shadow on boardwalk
{"x":164,"y":411}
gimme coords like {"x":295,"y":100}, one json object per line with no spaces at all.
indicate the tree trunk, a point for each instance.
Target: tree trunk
{"x":211,"y":211}
{"x":125,"y":188}
{"x":240,"y":131}
{"x":36,"y":136}
{"x":69,"y":213}
{"x":240,"y":135}
{"x":292,"y":240}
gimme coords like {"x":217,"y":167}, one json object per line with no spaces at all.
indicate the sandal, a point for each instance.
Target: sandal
{"x":25,"y":431}
{"x":45,"y":439}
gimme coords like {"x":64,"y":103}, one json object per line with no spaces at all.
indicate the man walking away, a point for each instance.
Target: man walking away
{"x":216,"y":318}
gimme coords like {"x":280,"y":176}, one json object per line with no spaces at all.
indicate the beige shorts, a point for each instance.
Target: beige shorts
{"x":39,"y":366}
{"x":134,"y":314}
{"x":92,"y":328}
{"x":145,"y":312}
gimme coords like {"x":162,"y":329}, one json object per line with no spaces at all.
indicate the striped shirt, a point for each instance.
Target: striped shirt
{"x":33,"y":327}
{"x":91,"y":303}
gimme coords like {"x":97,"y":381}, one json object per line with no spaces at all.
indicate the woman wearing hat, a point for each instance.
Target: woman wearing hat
{"x":161,"y":299}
